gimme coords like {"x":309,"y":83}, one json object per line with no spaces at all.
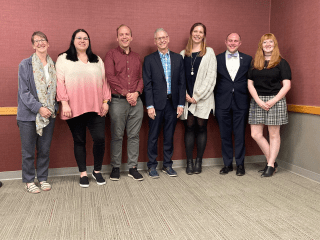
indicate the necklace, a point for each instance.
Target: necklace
{"x":192,"y":63}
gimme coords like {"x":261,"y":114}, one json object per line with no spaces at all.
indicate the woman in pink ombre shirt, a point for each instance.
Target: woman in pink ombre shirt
{"x":85,"y":96}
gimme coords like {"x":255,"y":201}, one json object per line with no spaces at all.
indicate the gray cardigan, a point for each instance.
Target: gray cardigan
{"x":28,"y":102}
{"x":203,"y":87}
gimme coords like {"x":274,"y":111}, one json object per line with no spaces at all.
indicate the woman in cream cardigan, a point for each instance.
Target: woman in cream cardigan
{"x":201,"y":71}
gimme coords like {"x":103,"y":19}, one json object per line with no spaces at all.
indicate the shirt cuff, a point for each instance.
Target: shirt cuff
{"x":150,"y":107}
{"x":181,"y":106}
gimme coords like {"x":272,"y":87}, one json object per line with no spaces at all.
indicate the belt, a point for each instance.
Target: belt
{"x":169,"y":96}
{"x":118,"y":96}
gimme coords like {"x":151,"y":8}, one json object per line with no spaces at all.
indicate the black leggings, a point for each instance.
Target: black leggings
{"x":195,"y":128}
{"x":78,"y":127}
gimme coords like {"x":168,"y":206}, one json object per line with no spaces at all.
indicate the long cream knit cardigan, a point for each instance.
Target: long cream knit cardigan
{"x":203,"y":87}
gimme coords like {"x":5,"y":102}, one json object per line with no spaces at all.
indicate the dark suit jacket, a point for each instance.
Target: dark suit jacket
{"x":155,"y":85}
{"x":225,"y":86}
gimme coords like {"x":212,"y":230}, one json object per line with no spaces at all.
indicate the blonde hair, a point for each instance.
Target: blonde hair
{"x":259,"y":59}
{"x":189,"y":46}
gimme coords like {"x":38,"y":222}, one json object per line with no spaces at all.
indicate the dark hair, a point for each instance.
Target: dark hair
{"x":40,"y":34}
{"x":123,"y":25}
{"x":72,"y":52}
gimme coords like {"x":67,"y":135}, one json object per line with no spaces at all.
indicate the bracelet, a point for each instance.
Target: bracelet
{"x":107,"y":102}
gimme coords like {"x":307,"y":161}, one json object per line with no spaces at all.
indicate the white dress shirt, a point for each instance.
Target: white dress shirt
{"x":232,"y":64}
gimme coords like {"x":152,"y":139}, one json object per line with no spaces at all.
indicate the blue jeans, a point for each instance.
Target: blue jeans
{"x":30,"y":141}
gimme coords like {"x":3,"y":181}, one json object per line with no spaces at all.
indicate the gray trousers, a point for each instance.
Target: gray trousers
{"x":30,"y":141}
{"x":123,"y":116}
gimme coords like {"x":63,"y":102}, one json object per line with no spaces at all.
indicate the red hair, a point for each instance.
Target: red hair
{"x":259,"y":59}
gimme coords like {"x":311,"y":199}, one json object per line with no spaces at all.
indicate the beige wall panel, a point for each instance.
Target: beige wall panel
{"x":300,"y":144}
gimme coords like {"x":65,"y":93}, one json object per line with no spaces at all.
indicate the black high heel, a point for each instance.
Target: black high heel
{"x":269,"y":172}
{"x":265,"y":168}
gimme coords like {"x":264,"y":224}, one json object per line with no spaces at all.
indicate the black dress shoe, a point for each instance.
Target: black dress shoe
{"x":189,"y":169}
{"x":226,"y":169}
{"x":269,"y":172}
{"x":265,"y":168}
{"x":240,"y":170}
{"x":198,"y":166}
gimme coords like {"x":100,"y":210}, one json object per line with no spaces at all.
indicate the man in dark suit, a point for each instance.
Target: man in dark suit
{"x":232,"y":102}
{"x":165,"y":94}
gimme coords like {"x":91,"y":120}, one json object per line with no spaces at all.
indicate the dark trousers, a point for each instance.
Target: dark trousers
{"x":30,"y":141}
{"x":233,"y":120}
{"x":168,"y":118}
{"x":78,"y":127}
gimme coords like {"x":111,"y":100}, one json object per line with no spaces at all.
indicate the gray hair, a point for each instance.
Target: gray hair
{"x":159,"y":30}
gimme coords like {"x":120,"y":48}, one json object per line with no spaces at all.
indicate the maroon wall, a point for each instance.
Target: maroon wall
{"x":296,"y":26}
{"x":59,"y":19}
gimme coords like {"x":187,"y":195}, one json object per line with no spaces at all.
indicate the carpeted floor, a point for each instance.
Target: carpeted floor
{"x":204,"y":206}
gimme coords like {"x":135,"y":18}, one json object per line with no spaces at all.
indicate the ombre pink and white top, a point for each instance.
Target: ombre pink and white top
{"x":83,"y":85}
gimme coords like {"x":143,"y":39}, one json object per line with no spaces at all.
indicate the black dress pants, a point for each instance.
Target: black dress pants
{"x":78,"y":127}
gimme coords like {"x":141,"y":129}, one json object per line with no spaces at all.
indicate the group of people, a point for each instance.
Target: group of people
{"x":189,"y":86}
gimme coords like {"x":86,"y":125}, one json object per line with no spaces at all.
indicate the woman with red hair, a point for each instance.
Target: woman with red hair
{"x":269,"y":80}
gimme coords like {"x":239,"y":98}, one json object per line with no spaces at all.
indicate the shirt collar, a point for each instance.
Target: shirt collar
{"x":164,"y":55}
{"x":123,"y":51}
{"x":227,"y":52}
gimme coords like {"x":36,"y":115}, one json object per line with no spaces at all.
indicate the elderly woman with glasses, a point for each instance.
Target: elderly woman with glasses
{"x":36,"y":114}
{"x":85,"y":96}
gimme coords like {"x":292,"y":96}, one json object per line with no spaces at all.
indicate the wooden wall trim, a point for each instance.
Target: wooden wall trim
{"x":304,"y":109}
{"x":8,"y":111}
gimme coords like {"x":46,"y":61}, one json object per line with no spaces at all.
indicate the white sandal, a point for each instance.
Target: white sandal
{"x":45,"y":186}
{"x":32,"y":188}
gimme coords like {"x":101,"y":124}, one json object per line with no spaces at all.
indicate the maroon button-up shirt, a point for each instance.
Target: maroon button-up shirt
{"x":123,"y":71}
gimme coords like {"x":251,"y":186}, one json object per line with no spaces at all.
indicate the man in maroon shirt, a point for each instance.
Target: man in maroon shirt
{"x":124,"y":74}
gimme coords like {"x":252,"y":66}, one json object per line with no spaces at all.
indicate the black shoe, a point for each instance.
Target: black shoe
{"x":198,"y":166}
{"x":115,"y":174}
{"x":189,"y":169}
{"x":98,"y":177}
{"x":133,"y":172}
{"x":269,"y":172}
{"x":226,"y":169}
{"x":265,"y":168}
{"x":240,"y":170}
{"x":84,"y":182}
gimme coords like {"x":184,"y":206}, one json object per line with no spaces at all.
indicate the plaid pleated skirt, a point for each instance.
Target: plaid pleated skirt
{"x":277,"y":115}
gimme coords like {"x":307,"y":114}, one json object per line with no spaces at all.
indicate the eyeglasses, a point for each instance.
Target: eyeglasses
{"x":159,"y":39}
{"x":39,"y":41}
{"x":84,"y":39}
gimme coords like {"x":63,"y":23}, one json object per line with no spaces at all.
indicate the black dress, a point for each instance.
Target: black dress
{"x":196,"y":60}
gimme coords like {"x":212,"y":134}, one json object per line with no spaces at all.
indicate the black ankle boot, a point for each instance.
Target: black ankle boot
{"x":198,"y":166}
{"x":265,"y":168}
{"x":268,"y":172}
{"x":189,"y":169}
